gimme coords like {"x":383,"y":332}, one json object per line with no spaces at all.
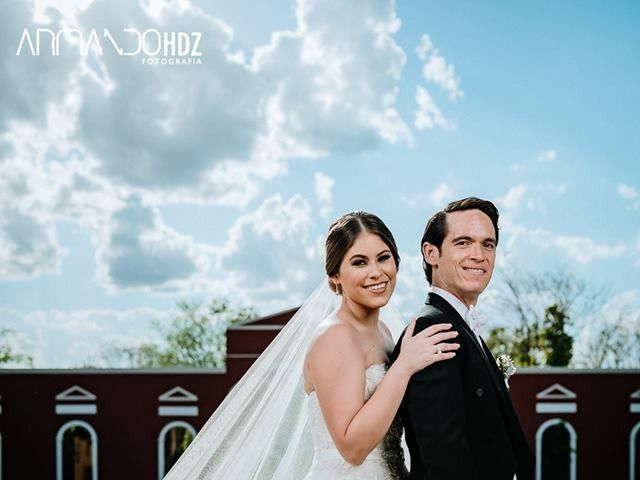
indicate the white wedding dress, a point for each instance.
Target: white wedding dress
{"x":267,"y":428}
{"x":385,"y":462}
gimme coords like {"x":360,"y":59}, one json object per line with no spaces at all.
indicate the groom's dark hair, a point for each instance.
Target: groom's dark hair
{"x":436,"y":228}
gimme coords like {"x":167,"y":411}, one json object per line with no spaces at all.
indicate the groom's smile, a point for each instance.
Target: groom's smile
{"x":475,"y":271}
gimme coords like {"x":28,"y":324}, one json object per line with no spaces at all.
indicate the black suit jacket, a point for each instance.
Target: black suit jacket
{"x":458,"y":417}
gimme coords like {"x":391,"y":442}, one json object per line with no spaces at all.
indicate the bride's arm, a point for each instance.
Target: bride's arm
{"x":336,"y":367}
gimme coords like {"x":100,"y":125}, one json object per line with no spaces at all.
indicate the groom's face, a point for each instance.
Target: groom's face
{"x":464,"y":264}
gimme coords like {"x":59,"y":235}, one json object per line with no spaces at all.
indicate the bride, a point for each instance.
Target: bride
{"x":319,"y":403}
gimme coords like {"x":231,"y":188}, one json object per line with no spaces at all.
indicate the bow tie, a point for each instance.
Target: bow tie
{"x":475,"y":321}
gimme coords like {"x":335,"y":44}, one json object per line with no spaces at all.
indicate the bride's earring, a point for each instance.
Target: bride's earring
{"x":338,"y":289}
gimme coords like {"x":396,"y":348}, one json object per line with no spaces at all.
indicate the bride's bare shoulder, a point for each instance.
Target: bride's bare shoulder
{"x":332,"y":326}
{"x":335,"y":343}
{"x":333,"y":336}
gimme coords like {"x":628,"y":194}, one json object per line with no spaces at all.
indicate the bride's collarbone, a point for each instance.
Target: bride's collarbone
{"x":376,"y":349}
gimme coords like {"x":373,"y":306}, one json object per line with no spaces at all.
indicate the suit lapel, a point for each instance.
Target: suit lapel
{"x":484,"y":352}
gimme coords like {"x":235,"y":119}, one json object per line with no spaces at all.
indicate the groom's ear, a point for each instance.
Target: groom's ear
{"x":430,"y":253}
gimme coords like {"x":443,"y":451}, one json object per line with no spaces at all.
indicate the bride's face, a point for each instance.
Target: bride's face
{"x":367,"y":272}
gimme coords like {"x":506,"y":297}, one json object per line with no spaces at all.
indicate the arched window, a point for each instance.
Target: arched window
{"x":76,"y":452}
{"x":634,"y":453}
{"x":556,"y":444}
{"x":173,"y":440}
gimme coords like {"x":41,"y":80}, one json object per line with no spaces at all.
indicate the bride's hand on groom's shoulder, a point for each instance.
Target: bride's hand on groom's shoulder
{"x":427,"y":347}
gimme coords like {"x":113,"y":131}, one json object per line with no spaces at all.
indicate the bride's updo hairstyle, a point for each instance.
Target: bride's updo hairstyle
{"x":343,"y":233}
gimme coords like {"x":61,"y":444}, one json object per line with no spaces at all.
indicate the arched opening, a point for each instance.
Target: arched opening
{"x":556,"y":444}
{"x":76,"y":452}
{"x":173,"y":440}
{"x":634,"y":453}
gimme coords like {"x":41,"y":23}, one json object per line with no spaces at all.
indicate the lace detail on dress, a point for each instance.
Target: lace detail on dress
{"x":392,"y":451}
{"x":385,"y":462}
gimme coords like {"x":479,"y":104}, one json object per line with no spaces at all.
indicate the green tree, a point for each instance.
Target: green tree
{"x":9,"y":351}
{"x":194,"y":338}
{"x":558,"y":344}
{"x":524,"y":345}
{"x":539,"y":309}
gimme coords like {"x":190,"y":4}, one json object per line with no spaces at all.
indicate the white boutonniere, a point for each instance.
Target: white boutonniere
{"x":506,"y":366}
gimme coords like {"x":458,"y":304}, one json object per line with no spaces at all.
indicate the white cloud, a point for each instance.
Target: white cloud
{"x":537,"y":204}
{"x":425,"y":47}
{"x":441,"y":195}
{"x":581,"y":249}
{"x":30,"y":178}
{"x":585,"y":249}
{"x":411,"y":200}
{"x":181,"y":123}
{"x":136,"y":250}
{"x":25,"y":96}
{"x":627,"y":191}
{"x":272,"y":256}
{"x":437,"y":70}
{"x":28,"y":245}
{"x":428,"y":114}
{"x":411,"y":287}
{"x":329,"y":76}
{"x":554,"y":189}
{"x":511,"y":200}
{"x":323,"y":189}
{"x":547,"y":155}
{"x":68,"y":339}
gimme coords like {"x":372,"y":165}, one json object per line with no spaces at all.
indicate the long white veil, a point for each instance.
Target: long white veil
{"x":260,"y":430}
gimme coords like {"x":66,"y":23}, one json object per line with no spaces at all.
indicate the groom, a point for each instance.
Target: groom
{"x":458,"y":417}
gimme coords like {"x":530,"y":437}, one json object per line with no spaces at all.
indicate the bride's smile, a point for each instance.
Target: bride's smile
{"x":377,"y":287}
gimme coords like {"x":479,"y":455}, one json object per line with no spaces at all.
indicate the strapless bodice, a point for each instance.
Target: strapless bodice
{"x":386,"y":460}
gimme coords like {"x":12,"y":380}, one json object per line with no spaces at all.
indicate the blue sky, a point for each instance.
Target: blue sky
{"x":125,"y":187}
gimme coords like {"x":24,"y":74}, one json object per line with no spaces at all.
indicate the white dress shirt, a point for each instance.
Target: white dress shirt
{"x":459,"y":307}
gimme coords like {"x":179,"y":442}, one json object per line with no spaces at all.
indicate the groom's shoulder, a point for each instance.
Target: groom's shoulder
{"x":430,"y":314}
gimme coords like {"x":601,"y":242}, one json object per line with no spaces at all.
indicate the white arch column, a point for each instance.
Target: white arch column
{"x":94,"y":447}
{"x":161,"y":442}
{"x":633,"y":441}
{"x":573,"y":444}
